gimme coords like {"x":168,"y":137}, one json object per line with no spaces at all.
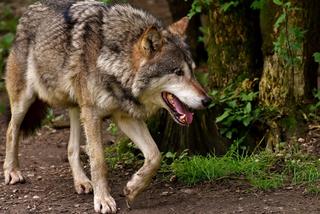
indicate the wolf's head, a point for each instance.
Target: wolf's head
{"x":164,"y":72}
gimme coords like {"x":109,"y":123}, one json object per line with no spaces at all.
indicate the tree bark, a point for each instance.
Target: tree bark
{"x":233,"y":43}
{"x":281,"y":86}
{"x":284,"y":87}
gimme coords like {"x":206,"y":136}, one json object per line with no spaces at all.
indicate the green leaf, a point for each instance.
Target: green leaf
{"x":232,"y":104}
{"x":248,"y":96}
{"x":246,"y":121}
{"x":214,"y":92}
{"x":258,"y":4}
{"x":170,"y":155}
{"x":317,"y":57}
{"x":278,"y":2}
{"x":248,"y":108}
{"x":280,"y":20}
{"x":226,"y":6}
{"x":223,"y":116}
{"x":229,"y":134}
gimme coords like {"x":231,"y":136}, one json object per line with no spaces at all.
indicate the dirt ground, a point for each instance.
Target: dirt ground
{"x":49,"y":188}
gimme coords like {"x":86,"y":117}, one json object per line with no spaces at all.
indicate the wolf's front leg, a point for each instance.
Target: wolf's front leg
{"x":138,"y":132}
{"x":82,"y":183}
{"x":103,"y":201}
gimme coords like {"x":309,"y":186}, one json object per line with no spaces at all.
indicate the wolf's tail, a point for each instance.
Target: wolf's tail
{"x":33,"y":118}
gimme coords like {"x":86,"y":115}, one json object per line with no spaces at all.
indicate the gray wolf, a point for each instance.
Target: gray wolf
{"x":98,"y":61}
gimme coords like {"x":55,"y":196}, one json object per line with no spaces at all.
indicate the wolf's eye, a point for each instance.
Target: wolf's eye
{"x":178,"y":71}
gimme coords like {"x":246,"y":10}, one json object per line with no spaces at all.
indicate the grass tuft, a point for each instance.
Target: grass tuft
{"x":263,"y":171}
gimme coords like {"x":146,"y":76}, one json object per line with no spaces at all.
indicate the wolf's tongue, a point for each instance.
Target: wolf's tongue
{"x":182,"y":109}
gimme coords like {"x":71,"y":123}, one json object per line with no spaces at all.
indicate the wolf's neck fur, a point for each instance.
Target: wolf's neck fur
{"x":122,"y":27}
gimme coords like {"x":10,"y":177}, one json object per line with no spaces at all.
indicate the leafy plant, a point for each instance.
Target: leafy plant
{"x":198,"y":6}
{"x":314,"y":109}
{"x":170,"y":158}
{"x":123,"y":154}
{"x":112,"y":128}
{"x":240,"y":109}
{"x":289,"y":42}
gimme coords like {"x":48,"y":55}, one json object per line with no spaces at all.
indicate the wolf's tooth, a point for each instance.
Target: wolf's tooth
{"x":182,"y":117}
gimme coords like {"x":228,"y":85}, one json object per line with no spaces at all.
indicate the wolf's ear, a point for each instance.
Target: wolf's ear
{"x":179,"y":27}
{"x":151,"y":41}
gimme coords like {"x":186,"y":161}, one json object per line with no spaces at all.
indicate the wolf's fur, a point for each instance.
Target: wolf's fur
{"x":97,"y":60}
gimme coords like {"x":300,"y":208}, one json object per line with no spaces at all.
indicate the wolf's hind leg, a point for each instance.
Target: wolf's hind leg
{"x":19,"y":108}
{"x":138,"y":132}
{"x":82,"y":183}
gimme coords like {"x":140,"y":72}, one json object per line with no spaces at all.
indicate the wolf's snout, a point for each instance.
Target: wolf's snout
{"x":206,"y":102}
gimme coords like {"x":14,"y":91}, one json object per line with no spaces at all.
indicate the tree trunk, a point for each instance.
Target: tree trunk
{"x":284,"y":84}
{"x":233,"y":43}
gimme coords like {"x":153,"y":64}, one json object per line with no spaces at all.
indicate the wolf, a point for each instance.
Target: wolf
{"x":98,"y":61}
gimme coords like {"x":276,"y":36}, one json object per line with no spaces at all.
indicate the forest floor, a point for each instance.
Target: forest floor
{"x":49,"y":187}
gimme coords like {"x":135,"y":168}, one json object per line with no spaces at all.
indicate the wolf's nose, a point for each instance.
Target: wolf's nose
{"x":206,"y":101}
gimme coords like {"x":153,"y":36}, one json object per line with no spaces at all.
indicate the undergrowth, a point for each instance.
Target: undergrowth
{"x":123,"y":154}
{"x":263,"y":171}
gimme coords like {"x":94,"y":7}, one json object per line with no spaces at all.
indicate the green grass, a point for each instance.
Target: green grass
{"x":263,"y":171}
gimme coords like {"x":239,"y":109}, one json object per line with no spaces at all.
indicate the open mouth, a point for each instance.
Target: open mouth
{"x":179,"y":111}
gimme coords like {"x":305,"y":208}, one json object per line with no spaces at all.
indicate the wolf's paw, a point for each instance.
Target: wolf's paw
{"x":130,"y":195}
{"x":133,"y":188}
{"x":13,"y":176}
{"x":104,"y":203}
{"x":83,"y":186}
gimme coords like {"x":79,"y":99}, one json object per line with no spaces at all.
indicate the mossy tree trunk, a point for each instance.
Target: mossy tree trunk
{"x":232,"y":48}
{"x":233,"y":42}
{"x":289,"y":74}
